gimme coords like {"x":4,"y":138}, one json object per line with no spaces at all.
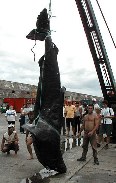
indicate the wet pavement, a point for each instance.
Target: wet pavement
{"x":103,"y":173}
{"x":17,"y":169}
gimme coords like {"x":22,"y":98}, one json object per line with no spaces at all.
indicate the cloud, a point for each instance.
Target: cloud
{"x":75,"y":62}
{"x":81,"y":81}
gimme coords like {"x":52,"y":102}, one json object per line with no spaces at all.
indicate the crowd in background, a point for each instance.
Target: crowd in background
{"x":93,"y":120}
{"x":74,"y":112}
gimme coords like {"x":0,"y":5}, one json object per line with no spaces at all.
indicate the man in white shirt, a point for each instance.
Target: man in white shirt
{"x":11,"y":115}
{"x":106,"y":123}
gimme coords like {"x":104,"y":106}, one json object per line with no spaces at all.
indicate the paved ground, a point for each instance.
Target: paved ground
{"x":17,"y":169}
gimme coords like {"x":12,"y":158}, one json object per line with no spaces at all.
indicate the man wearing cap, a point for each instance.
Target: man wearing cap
{"x":10,"y":140}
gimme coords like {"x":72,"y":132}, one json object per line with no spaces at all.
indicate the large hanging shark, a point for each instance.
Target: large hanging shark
{"x":49,"y":101}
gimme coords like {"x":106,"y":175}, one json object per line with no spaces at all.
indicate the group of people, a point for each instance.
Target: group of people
{"x":93,"y":120}
{"x":96,"y":122}
{"x":73,"y":114}
{"x":10,"y":140}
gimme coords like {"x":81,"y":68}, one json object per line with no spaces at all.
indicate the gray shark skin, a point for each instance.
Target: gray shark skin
{"x":48,"y":109}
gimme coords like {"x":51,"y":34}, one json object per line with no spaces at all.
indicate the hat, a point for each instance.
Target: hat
{"x":94,"y":99}
{"x":11,"y":125}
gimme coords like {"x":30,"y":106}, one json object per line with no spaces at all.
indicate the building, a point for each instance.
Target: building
{"x":9,"y":89}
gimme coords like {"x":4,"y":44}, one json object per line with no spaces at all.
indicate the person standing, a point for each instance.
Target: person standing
{"x":22,"y":119}
{"x":63,"y":121}
{"x":98,"y":113}
{"x":28,"y":138}
{"x":27,"y":109}
{"x":69,"y":114}
{"x":11,"y":115}
{"x":77,"y":116}
{"x":90,"y":125}
{"x":95,"y":104}
{"x":85,"y":109}
{"x":106,"y":122}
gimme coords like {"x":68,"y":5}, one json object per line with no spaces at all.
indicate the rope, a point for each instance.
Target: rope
{"x":106,"y":23}
{"x":33,"y":51}
{"x":34,"y":45}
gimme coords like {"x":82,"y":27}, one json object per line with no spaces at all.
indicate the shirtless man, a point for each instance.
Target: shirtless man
{"x":90,"y":125}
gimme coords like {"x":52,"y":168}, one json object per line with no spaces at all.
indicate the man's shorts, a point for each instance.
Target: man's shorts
{"x":12,"y":146}
{"x":105,"y":129}
{"x":70,"y":120}
{"x":11,"y":122}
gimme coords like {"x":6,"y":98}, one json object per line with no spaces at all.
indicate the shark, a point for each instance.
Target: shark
{"x":48,"y":110}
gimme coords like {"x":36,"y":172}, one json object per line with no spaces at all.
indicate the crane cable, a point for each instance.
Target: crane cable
{"x":106,"y":23}
{"x":50,"y":10}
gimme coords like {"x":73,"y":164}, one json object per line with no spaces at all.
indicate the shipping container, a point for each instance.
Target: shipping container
{"x":17,"y":103}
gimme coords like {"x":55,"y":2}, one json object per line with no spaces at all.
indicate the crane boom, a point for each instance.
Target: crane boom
{"x":98,"y":51}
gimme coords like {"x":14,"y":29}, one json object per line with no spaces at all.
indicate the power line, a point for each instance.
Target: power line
{"x":106,"y":23}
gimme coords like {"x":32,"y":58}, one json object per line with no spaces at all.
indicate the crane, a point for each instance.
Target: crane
{"x":99,"y":54}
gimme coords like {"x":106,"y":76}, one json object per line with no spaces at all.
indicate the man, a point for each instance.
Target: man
{"x":106,"y":123}
{"x":27,"y":109}
{"x":90,"y":125}
{"x":22,"y":119}
{"x":11,"y":115}
{"x":63,"y":121}
{"x":10,"y":140}
{"x":78,"y":116}
{"x":69,"y":114}
{"x":95,"y":104}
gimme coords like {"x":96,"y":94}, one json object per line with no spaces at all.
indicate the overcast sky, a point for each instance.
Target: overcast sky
{"x":77,"y":70}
